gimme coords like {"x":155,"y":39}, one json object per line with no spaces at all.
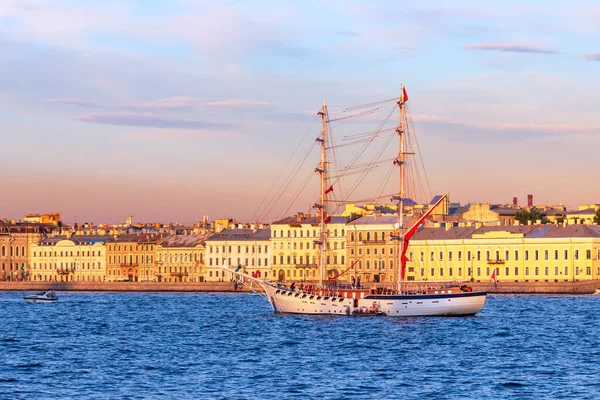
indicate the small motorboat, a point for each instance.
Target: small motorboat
{"x":47,"y":296}
{"x":373,"y":311}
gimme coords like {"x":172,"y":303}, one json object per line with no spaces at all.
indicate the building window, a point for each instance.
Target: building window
{"x":536,"y":255}
{"x":460,"y":256}
{"x":526,"y":255}
{"x":537,"y":271}
{"x":441,"y":256}
{"x":469,"y":256}
{"x":577,"y":254}
{"x":507,"y":256}
{"x":478,"y":255}
{"x":556,"y":255}
{"x":546,"y":256}
{"x":588,"y":255}
{"x":450,"y":257}
{"x":431,"y":256}
{"x":516,"y":255}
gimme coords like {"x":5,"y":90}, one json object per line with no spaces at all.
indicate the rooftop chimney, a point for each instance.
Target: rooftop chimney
{"x":515,"y":202}
{"x":529,"y":200}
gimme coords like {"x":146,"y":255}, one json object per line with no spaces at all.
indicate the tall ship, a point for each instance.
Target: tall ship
{"x":400,"y":299}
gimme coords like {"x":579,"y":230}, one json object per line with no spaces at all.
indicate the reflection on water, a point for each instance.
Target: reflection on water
{"x":142,"y":345}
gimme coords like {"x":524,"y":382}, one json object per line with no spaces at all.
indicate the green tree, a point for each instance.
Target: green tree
{"x":597,"y":217}
{"x":533,"y":215}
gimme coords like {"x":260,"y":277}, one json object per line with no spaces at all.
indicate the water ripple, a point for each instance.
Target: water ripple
{"x":180,"y":346}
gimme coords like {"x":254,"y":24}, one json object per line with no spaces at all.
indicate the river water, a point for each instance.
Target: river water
{"x":220,"y":346}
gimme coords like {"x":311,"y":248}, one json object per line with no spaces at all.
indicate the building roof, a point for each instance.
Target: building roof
{"x":293,"y":220}
{"x":373,"y":219}
{"x":442,"y":234}
{"x":240,"y":235}
{"x":505,"y":210}
{"x":148,"y":238}
{"x":184,"y":240}
{"x":435,"y":199}
{"x":77,"y":239}
{"x":587,"y":211}
{"x":528,"y":231}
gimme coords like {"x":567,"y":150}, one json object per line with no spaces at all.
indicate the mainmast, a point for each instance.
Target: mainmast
{"x":321,"y":206}
{"x":400,"y":162}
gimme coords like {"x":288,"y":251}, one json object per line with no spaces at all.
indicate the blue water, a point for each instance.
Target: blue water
{"x":218,"y":346}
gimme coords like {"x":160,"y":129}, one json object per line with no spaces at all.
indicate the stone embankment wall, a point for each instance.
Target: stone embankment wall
{"x":587,"y":287}
{"x":121,"y":286}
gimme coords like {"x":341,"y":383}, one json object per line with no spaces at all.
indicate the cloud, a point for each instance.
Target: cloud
{"x":237,"y":103}
{"x":509,"y":126}
{"x":77,"y":102}
{"x":404,"y":48}
{"x":348,"y":33}
{"x":510,"y":48}
{"x":151,"y":121}
{"x":173,"y":103}
{"x":591,"y":56}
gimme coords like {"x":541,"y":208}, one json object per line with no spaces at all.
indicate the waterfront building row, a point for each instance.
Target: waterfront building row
{"x":364,"y":247}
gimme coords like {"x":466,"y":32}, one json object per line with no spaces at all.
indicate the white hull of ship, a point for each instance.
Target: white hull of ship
{"x":451,"y":304}
{"x":286,"y":301}
{"x":289,"y":302}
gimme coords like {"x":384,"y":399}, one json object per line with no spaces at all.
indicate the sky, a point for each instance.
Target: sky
{"x":172,"y":110}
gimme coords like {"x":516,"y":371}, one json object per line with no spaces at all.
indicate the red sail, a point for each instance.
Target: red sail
{"x":405,"y":99}
{"x":412,"y":231}
{"x":329,"y":190}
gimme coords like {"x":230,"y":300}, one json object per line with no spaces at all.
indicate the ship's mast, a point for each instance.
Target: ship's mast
{"x":322,"y":170}
{"x":400,"y":163}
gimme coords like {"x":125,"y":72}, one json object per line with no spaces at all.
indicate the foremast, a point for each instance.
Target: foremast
{"x":400,"y":162}
{"x":322,"y":205}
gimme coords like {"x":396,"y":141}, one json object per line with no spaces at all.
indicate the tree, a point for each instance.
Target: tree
{"x":533,"y":215}
{"x":597,"y":217}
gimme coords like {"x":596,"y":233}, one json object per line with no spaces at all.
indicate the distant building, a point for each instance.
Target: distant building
{"x":132,"y":257}
{"x":525,"y":253}
{"x":223,"y":223}
{"x":69,"y":258}
{"x":180,"y":258}
{"x":15,"y":241}
{"x":295,"y":247}
{"x":490,"y":214}
{"x":248,"y":249}
{"x":372,"y":254}
{"x":585,"y":214}
{"x":53,"y":218}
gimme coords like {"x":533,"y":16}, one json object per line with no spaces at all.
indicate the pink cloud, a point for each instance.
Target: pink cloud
{"x":510,"y":48}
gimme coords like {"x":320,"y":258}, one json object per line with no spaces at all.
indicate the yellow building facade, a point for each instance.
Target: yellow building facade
{"x":248,"y":249}
{"x":371,"y":251}
{"x":531,"y":253}
{"x":15,"y":243}
{"x":180,"y":258}
{"x":62,"y":259}
{"x":295,"y":248}
{"x":132,"y":257}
